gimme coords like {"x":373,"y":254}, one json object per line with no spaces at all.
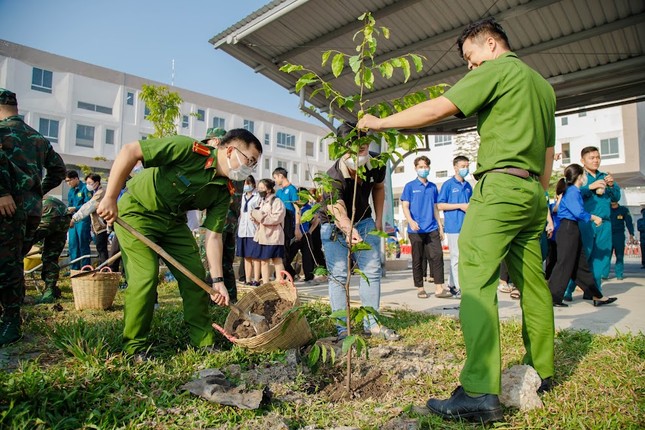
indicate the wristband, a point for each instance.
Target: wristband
{"x":218,"y":280}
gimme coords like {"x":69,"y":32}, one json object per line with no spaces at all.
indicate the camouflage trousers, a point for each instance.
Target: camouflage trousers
{"x":12,"y":280}
{"x":32,"y":224}
{"x":53,"y":235}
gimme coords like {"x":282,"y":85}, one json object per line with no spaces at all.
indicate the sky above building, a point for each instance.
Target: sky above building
{"x":143,"y":37}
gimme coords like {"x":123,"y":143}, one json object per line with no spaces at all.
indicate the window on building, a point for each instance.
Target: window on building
{"x":320,"y":146}
{"x":287,"y":141}
{"x":219,"y":122}
{"x":310,"y":149}
{"x":201,"y":115}
{"x":49,"y":129}
{"x":566,"y":153}
{"x":396,"y":203}
{"x":609,"y":148}
{"x":443,"y":140}
{"x":109,"y":136}
{"x":249,"y":125}
{"x":442,"y":173}
{"x":184,"y":121}
{"x":95,"y":108}
{"x":267,"y":139}
{"x":146,"y":112}
{"x":85,"y":136}
{"x":564,"y":120}
{"x":267,"y":164}
{"x":283,"y":164}
{"x":129,"y":98}
{"x":294,"y":169}
{"x":41,"y":80}
{"x":307,"y":175}
{"x":581,"y":114}
{"x":399,"y":169}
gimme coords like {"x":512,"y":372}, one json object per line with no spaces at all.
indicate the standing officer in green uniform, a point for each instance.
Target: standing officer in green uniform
{"x":620,"y":218}
{"x":507,"y":211}
{"x":32,"y":153}
{"x":52,"y":232}
{"x":179,"y":174}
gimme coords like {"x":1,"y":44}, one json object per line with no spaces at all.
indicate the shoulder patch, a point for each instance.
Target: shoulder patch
{"x":201,"y":149}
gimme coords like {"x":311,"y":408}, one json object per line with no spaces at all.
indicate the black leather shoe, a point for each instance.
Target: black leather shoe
{"x":604,"y":302}
{"x":560,"y":305}
{"x":485,"y":408}
{"x":546,"y":385}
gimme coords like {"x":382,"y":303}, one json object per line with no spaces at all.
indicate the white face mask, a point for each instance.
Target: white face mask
{"x":91,"y":187}
{"x":362,"y":160}
{"x":241,"y":172}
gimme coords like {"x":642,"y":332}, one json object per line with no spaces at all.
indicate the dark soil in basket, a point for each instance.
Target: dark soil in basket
{"x":272,"y":310}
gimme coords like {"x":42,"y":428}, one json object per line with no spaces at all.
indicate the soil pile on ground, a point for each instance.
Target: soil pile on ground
{"x":272,"y":310}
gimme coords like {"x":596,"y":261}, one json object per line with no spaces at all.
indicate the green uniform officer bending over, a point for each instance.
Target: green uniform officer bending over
{"x":179,"y":174}
{"x":515,"y":107}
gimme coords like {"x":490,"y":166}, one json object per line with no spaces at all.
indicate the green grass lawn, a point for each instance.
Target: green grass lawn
{"x":69,"y":373}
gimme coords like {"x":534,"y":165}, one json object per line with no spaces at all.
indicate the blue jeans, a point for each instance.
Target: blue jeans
{"x":369,"y":262}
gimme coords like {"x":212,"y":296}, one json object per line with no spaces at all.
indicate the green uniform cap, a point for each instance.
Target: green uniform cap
{"x":214,"y":132}
{"x":8,"y":98}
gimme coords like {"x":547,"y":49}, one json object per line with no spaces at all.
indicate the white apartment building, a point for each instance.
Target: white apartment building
{"x":619,"y":133}
{"x":88,"y":112}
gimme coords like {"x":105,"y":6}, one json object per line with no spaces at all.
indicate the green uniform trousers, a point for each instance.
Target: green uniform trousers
{"x":505,"y":218}
{"x":142,"y":270}
{"x":618,"y":248}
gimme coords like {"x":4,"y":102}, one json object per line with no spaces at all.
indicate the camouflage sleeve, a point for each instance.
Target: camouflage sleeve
{"x":5,"y":175}
{"x":55,"y":167}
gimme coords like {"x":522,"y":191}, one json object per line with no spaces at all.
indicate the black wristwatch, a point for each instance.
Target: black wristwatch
{"x":218,"y":279}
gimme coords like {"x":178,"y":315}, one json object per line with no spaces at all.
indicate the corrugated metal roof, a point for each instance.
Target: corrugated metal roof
{"x":592,"y":51}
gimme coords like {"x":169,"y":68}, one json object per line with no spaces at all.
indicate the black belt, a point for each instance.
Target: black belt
{"x":516,"y":171}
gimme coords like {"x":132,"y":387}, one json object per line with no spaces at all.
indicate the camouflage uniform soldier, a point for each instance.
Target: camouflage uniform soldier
{"x":52,"y":232}
{"x":31,"y":152}
{"x":28,"y":153}
{"x":12,"y":230}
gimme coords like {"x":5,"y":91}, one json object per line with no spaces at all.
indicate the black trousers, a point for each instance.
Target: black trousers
{"x":290,"y":246}
{"x":312,"y":253}
{"x":551,"y":259}
{"x":430,"y":244}
{"x":101,"y":241}
{"x":571,"y":264}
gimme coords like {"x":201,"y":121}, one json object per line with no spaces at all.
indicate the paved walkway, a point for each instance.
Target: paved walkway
{"x":625,"y":315}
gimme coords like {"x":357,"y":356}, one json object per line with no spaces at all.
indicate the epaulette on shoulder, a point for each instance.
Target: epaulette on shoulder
{"x":201,"y":149}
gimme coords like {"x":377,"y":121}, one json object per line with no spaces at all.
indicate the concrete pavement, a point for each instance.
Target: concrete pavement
{"x":625,"y":315}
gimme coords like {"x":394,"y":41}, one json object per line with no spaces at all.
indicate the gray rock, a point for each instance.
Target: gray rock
{"x":519,"y":388}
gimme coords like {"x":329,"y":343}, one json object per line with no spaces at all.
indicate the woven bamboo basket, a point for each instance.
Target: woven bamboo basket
{"x":95,"y":291}
{"x":292,"y":332}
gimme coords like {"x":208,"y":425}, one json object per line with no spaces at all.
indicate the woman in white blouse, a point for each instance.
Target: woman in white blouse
{"x":247,"y":248}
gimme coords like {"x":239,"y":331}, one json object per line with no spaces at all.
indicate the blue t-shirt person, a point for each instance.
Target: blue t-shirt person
{"x":454,"y":191}
{"x":422,"y":198}
{"x":288,"y":195}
